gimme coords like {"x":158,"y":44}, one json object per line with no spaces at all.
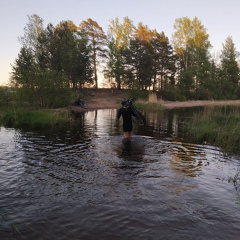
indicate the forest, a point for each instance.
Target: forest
{"x":56,"y":63}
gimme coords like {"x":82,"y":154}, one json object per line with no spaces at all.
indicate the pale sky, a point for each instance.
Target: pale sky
{"x":221,"y":18}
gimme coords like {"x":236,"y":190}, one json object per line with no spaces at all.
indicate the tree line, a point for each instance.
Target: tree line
{"x":55,"y":60}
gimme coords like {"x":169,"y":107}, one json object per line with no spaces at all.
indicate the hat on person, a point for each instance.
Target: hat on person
{"x":123,"y":101}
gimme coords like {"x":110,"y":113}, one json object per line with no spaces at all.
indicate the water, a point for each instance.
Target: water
{"x":82,"y":182}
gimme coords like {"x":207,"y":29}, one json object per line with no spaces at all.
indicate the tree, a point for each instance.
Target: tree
{"x":139,"y":61}
{"x":120,"y":34}
{"x":189,"y":37}
{"x":31,"y":32}
{"x":115,"y":66}
{"x":215,"y":83}
{"x":43,"y":48}
{"x":40,"y":88}
{"x":186,"y":84}
{"x":140,"y":56}
{"x":230,"y":68}
{"x":84,"y":70}
{"x":142,"y":33}
{"x":192,"y":46}
{"x":164,"y":60}
{"x":24,"y":69}
{"x":118,"y":40}
{"x":70,"y":53}
{"x":97,"y":38}
{"x":60,"y":57}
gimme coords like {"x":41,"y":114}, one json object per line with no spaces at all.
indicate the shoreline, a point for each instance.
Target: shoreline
{"x":199,"y":103}
{"x":110,"y":99}
{"x":97,"y":105}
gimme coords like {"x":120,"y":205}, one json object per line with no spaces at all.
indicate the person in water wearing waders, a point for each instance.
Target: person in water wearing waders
{"x":126,"y":112}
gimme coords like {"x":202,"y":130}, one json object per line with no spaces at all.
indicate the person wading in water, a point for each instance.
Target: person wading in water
{"x":126,"y":112}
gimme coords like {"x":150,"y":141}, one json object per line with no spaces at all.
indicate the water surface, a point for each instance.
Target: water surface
{"x":82,"y":182}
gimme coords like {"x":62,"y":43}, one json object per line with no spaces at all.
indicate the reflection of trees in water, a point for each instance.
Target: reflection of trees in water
{"x":187,"y":159}
{"x":132,"y":150}
{"x":102,"y":122}
{"x":168,"y":122}
{"x":163,"y":123}
{"x":80,"y":127}
{"x":116,"y":163}
{"x":130,"y":164}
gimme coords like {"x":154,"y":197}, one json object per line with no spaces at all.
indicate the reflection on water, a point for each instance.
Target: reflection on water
{"x":83,"y":182}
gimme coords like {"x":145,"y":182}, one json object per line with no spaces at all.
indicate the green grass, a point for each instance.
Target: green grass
{"x":145,"y":105}
{"x":37,"y":119}
{"x":217,"y":127}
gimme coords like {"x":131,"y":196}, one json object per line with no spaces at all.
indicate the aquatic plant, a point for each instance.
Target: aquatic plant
{"x":218,"y":126}
{"x":35,"y":118}
{"x":235,"y":179}
{"x":16,"y":228}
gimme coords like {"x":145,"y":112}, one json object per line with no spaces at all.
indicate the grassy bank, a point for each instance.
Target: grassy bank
{"x":148,"y":106}
{"x":217,"y":126}
{"x":37,"y":119}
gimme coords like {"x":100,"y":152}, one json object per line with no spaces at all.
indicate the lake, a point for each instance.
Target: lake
{"x":83,"y":182}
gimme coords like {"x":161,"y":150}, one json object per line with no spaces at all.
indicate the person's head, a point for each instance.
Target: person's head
{"x":124,"y":102}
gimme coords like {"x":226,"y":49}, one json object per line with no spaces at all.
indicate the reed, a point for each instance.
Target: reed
{"x":235,"y":179}
{"x":146,"y":105}
{"x":37,"y":119}
{"x":217,"y":126}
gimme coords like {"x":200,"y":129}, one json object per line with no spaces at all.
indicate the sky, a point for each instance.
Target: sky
{"x":221,"y":18}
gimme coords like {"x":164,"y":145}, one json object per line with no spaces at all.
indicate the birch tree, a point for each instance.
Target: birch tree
{"x":118,"y":40}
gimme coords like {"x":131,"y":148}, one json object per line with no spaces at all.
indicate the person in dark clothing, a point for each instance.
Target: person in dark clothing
{"x":126,"y":112}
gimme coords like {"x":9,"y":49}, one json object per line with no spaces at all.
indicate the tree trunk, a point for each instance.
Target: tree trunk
{"x":95,"y":70}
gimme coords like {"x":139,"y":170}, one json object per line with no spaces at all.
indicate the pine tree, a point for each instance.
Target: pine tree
{"x":97,"y":39}
{"x":230,"y":76}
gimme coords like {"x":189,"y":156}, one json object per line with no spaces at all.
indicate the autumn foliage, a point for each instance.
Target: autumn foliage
{"x":65,"y":57}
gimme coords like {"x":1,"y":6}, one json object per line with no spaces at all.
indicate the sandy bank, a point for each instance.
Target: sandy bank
{"x":105,"y":99}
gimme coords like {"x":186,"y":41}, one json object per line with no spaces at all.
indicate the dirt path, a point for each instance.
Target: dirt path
{"x":102,"y":99}
{"x":171,"y":105}
{"x":105,"y":99}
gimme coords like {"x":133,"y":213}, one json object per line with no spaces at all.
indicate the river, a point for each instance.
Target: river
{"x":83,"y":182}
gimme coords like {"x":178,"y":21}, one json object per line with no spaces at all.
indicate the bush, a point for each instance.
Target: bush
{"x":6,"y":96}
{"x":50,"y":90}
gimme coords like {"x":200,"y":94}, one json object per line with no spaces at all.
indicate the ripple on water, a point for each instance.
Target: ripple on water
{"x":147,"y":189}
